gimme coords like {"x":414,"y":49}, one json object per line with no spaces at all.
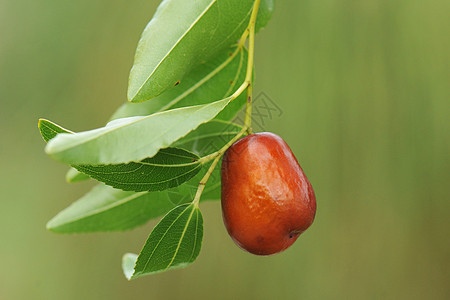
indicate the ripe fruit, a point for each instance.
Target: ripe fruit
{"x":267,"y":201}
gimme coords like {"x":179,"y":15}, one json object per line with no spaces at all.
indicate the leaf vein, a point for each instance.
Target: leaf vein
{"x":181,"y":239}
{"x":167,"y":230}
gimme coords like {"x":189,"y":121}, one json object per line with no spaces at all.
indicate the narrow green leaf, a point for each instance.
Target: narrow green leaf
{"x":170,"y":167}
{"x":217,"y":78}
{"x":181,"y":35}
{"x":107,"y":209}
{"x":131,"y":139}
{"x":174,"y":243}
{"x":73,"y":175}
{"x":49,"y":129}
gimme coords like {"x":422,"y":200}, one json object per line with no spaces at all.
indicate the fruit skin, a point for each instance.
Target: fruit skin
{"x":267,"y":201}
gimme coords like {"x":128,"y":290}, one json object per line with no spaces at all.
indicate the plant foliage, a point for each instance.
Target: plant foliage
{"x":157,"y":155}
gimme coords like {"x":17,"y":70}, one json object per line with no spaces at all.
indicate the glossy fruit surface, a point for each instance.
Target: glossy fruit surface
{"x":267,"y":201}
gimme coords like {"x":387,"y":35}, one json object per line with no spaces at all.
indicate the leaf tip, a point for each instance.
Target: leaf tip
{"x":128,"y":264}
{"x":132,"y":94}
{"x":40,"y":121}
{"x":44,"y":122}
{"x":137,"y":98}
{"x":143,"y":93}
{"x":74,"y":176}
{"x":48,"y":148}
{"x":50,"y":226}
{"x":41,"y":130}
{"x":55,"y":225}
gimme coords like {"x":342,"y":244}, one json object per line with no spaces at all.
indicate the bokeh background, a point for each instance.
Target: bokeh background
{"x":363,"y":89}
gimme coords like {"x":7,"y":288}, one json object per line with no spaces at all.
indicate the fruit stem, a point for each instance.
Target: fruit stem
{"x":250,"y":60}
{"x":246,"y":85}
{"x":251,"y":41}
{"x":217,"y":155}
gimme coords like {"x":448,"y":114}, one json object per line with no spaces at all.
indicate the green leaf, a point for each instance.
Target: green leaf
{"x":264,"y":14}
{"x":49,"y":129}
{"x":174,"y":243}
{"x":217,"y":78}
{"x":170,"y":167}
{"x":73,"y":175}
{"x":107,"y":209}
{"x":209,"y":137}
{"x":181,"y":35}
{"x":214,"y":79}
{"x":131,"y":139}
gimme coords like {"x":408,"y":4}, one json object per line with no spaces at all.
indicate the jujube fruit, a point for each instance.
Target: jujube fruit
{"x":267,"y":201}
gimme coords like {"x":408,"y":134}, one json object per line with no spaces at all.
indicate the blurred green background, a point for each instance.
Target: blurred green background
{"x":364,"y":91}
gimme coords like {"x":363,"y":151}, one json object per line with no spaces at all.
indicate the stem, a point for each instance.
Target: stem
{"x":247,"y":84}
{"x":217,"y":155}
{"x":251,"y":41}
